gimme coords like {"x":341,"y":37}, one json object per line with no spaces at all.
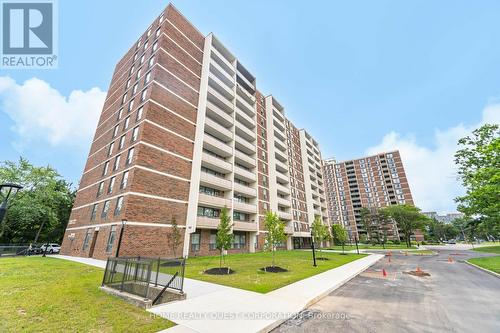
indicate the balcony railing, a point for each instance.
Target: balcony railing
{"x":215,"y":182}
{"x":221,"y":101}
{"x":215,"y":163}
{"x":244,"y":159}
{"x":245,"y":174}
{"x":221,"y":116}
{"x":245,"y":207}
{"x":242,"y":189}
{"x":244,"y":145}
{"x":217,"y":146}
{"x":217,"y":130}
{"x":213,"y":201}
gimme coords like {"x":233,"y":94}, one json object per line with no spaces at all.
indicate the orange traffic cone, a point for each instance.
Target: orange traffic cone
{"x":384,"y":273}
{"x":418,"y":269}
{"x":450,"y":260}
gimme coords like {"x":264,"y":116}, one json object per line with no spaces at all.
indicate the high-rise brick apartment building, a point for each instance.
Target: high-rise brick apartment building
{"x":372,"y":182}
{"x":183,"y":133}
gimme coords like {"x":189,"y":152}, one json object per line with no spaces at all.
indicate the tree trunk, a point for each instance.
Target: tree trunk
{"x":220,"y":260}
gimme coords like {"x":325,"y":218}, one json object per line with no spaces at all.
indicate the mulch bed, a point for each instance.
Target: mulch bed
{"x":417,"y":273}
{"x":275,"y":269}
{"x":171,"y":264}
{"x":219,"y":271}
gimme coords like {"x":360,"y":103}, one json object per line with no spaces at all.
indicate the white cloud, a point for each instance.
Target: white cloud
{"x":432,"y":172}
{"x":42,"y":115}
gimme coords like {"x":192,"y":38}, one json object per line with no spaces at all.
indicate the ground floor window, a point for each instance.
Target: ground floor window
{"x":213,"y":244}
{"x":111,"y":238}
{"x":239,"y":240}
{"x":195,"y":241}
{"x":86,"y":240}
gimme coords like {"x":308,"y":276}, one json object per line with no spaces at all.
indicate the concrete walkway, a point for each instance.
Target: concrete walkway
{"x":215,"y":308}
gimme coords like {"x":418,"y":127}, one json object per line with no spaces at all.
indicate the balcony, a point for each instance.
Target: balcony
{"x":244,"y":159}
{"x":279,"y":145}
{"x":245,"y":119}
{"x":245,"y":175}
{"x":220,"y":60}
{"x":245,"y":107}
{"x":212,"y":201}
{"x":282,"y":189}
{"x":278,"y":114}
{"x":281,"y":178}
{"x":245,"y":226}
{"x":217,"y":130}
{"x":284,"y":215}
{"x":207,"y":222}
{"x":219,"y":115}
{"x":218,"y":183}
{"x":220,"y":86}
{"x":280,"y":135}
{"x":280,"y":166}
{"x":284,"y":202}
{"x":218,"y":99}
{"x":245,"y":190}
{"x":244,"y":207}
{"x":217,"y":146}
{"x":244,"y":132}
{"x":246,"y":95}
{"x":278,"y":124}
{"x":244,"y":145}
{"x":215,"y":163}
{"x":280,"y":156}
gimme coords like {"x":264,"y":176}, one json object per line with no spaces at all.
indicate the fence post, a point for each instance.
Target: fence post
{"x":150,"y":266}
{"x":124,"y":272}
{"x":182,"y":274}
{"x":105,"y":272}
{"x":157,"y":272}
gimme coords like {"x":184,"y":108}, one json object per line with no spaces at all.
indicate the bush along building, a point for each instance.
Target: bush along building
{"x":184,"y":132}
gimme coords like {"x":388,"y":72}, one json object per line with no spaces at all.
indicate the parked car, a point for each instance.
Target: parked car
{"x":51,"y":248}
{"x":35,"y":249}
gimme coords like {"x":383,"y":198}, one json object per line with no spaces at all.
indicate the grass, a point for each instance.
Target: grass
{"x":490,"y":263}
{"x":248,"y":275}
{"x":53,"y":295}
{"x":372,"y":247}
{"x":488,"y":249}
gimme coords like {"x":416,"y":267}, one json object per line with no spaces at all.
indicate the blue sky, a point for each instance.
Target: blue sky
{"x":361,"y":76}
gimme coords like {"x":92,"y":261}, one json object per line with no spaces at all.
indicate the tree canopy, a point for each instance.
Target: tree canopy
{"x":224,"y":236}
{"x":478,"y":161}
{"x":46,"y":200}
{"x":275,"y":235}
{"x":408,"y":218}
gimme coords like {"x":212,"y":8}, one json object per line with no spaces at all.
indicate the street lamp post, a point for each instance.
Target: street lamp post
{"x":124,"y":222}
{"x":7,"y":190}
{"x":313,"y":251}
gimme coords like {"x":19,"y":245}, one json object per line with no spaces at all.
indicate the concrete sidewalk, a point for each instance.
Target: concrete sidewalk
{"x":215,"y":308}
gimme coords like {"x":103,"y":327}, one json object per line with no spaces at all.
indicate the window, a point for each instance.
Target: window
{"x":135,"y":56}
{"x":239,"y":240}
{"x":146,"y":45}
{"x":88,"y":236}
{"x":94,"y":212}
{"x":111,"y":185}
{"x":128,"y":83}
{"x":155,"y":46}
{"x":161,"y":18}
{"x":143,"y":95}
{"x":139,"y":114}
{"x":105,"y":209}
{"x":124,"y":180}
{"x":237,"y":216}
{"x":110,"y":149}
{"x":115,"y":131}
{"x":149,"y":32}
{"x":120,"y":113}
{"x":135,"y":133}
{"x":195,"y":241}
{"x":126,"y":123}
{"x":148,"y":77}
{"x":100,"y":189}
{"x":211,"y":191}
{"x":130,"y":105}
{"x":122,"y":142}
{"x":131,"y":70}
{"x":138,"y":43}
{"x":151,"y":62}
{"x":134,"y":90}
{"x":119,"y":205}
{"x":130,"y":155}
{"x":105,"y":169}
{"x":208,"y":212}
{"x":117,"y":163}
{"x":111,"y":238}
{"x":138,"y":73}
{"x":142,"y":59}
{"x":212,"y":243}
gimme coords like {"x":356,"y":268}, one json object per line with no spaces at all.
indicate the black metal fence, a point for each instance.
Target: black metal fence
{"x":136,"y":275}
{"x":13,"y":250}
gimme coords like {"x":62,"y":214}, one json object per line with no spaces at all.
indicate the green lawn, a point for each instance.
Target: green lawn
{"x":372,"y":247}
{"x":53,"y":295}
{"x":491,"y":263}
{"x":249,"y":276}
{"x":488,"y":249}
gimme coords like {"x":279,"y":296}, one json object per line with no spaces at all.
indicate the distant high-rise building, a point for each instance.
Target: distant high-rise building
{"x":372,"y":182}
{"x":446,"y":218}
{"x":183,"y":133}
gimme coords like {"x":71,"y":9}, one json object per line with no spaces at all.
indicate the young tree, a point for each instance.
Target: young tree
{"x":319,"y":231}
{"x":275,"y":233}
{"x":408,"y":219}
{"x":174,"y":237}
{"x":43,"y":206}
{"x":224,"y":236}
{"x":478,"y":163}
{"x":339,"y":235}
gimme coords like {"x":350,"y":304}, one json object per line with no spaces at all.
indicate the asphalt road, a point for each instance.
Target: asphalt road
{"x":454,"y":298}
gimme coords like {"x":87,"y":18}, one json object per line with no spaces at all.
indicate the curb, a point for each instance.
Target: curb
{"x":316,"y":299}
{"x":483,"y":269}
